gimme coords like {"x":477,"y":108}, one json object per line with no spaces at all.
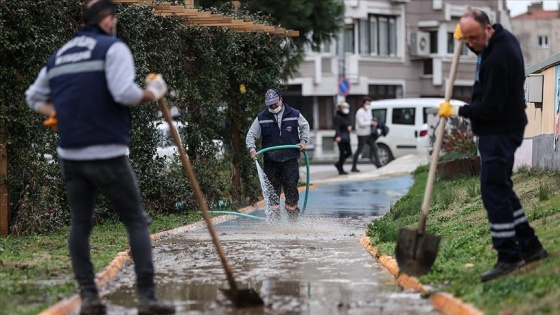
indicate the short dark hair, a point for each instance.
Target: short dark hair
{"x":366,"y":99}
{"x":479,"y":16}
{"x":95,"y":11}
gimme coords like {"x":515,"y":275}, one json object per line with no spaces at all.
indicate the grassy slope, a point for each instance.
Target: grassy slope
{"x":457,"y":215}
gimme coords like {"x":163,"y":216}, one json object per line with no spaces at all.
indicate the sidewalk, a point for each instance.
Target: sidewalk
{"x":327,"y":173}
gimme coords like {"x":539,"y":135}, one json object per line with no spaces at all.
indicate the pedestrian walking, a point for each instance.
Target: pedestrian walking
{"x":497,"y":114}
{"x":280,"y":124}
{"x":342,"y":129}
{"x":87,"y":88}
{"x":364,"y":123}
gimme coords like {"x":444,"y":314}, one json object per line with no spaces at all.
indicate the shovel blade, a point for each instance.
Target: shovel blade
{"x":415,"y":252}
{"x":243,"y":297}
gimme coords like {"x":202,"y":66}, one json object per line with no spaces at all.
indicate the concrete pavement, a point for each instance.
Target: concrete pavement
{"x":327,"y":173}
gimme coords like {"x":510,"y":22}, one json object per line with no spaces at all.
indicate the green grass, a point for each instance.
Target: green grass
{"x":35,"y":270}
{"x":458,"y":216}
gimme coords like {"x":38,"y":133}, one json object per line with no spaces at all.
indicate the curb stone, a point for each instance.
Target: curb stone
{"x":443,"y":302}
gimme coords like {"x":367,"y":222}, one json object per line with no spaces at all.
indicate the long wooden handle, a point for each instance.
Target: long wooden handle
{"x":197,"y":191}
{"x":439,"y":139}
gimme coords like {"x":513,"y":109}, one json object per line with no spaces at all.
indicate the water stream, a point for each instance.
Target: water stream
{"x":269,"y":195}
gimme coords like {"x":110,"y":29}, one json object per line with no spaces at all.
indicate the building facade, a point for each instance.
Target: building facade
{"x":388,"y":49}
{"x":537,"y":31}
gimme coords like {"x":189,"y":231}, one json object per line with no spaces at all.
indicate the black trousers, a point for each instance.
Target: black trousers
{"x":344,"y":152}
{"x":374,"y":155}
{"x":512,"y":236}
{"x":283,"y":175}
{"x":117,"y":181}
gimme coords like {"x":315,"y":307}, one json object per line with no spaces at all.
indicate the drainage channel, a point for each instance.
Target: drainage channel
{"x":313,"y":266}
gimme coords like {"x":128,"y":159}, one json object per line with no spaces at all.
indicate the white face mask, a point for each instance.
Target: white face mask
{"x":345,"y":111}
{"x":276,"y":110}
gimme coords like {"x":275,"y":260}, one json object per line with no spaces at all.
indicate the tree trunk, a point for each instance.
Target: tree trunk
{"x":236,"y":149}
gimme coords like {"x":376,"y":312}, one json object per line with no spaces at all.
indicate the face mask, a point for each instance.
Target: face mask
{"x":367,"y":106}
{"x":276,"y":110}
{"x":345,"y":111}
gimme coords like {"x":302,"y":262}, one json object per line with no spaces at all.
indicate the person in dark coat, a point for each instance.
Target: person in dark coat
{"x":342,"y":128}
{"x":497,"y":114}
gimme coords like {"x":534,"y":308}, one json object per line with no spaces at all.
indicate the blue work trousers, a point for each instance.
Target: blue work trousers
{"x":512,"y":236}
{"x":284,"y":175}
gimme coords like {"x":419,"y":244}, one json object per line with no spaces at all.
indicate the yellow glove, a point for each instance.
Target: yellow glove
{"x":458,"y":34}
{"x":447,"y":110}
{"x":52,"y":122}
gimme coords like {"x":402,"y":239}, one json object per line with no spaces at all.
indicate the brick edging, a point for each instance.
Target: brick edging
{"x":443,"y":302}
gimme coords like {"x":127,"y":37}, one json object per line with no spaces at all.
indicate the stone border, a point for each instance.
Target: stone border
{"x":443,"y":302}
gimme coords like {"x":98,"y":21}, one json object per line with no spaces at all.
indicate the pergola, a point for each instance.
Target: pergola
{"x":195,"y":17}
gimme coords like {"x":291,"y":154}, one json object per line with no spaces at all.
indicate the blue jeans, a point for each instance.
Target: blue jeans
{"x":117,"y":181}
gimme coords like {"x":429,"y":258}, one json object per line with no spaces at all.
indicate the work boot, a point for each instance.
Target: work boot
{"x":536,"y":255}
{"x":355,"y":170}
{"x":293,"y":214}
{"x":150,"y":305}
{"x":273,"y":216}
{"x":501,"y":269}
{"x":91,"y":304}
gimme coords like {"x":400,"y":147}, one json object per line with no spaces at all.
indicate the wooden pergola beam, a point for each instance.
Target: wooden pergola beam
{"x":195,"y":17}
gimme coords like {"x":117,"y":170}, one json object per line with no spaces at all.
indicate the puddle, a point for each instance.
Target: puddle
{"x":313,"y":266}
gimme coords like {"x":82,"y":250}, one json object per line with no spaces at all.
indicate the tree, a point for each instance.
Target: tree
{"x":318,"y":22}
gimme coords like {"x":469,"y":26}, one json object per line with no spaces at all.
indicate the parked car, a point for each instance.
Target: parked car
{"x":406,"y":119}
{"x":166,"y":147}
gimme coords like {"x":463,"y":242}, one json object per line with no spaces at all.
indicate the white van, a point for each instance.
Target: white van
{"x":405,"y":118}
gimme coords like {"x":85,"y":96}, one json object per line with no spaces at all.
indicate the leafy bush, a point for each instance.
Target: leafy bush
{"x":203,"y":67}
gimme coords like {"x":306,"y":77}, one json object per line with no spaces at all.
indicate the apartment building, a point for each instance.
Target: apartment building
{"x":388,"y":49}
{"x":537,"y":31}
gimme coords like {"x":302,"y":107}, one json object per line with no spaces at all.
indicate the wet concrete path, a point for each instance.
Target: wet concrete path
{"x":313,"y":266}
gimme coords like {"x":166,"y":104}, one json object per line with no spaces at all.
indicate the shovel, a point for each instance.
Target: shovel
{"x":417,"y":250}
{"x":239,"y":297}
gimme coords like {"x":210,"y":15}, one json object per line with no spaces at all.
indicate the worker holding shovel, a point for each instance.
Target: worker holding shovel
{"x":89,"y":85}
{"x":497,"y":114}
{"x":280,"y":124}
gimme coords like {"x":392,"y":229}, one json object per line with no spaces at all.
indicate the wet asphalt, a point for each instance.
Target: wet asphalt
{"x":313,"y":266}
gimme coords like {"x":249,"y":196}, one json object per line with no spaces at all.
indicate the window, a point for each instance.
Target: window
{"x":380,"y":114}
{"x":543,"y":41}
{"x":379,"y":92}
{"x":462,"y":93}
{"x":428,"y":66}
{"x":433,"y":43}
{"x":404,"y":116}
{"x":349,"y":39}
{"x":378,"y":36}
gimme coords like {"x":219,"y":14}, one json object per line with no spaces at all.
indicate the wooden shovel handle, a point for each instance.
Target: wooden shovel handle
{"x":439,"y":138}
{"x":197,"y":191}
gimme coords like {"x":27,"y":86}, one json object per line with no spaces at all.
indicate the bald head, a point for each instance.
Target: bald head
{"x":477,"y":29}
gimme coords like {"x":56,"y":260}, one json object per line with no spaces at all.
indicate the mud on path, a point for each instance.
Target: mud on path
{"x":313,"y":266}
